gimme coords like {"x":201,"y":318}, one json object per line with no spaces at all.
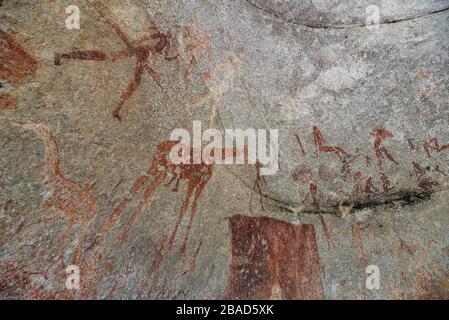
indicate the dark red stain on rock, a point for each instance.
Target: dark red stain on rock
{"x":15,"y":66}
{"x":272,"y":259}
{"x":15,"y":63}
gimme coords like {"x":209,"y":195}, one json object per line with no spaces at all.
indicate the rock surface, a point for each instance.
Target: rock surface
{"x":85,"y":123}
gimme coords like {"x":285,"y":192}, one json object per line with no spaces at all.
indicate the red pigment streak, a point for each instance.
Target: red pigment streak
{"x":272,"y":259}
{"x":154,"y":268}
{"x":195,"y":175}
{"x":15,"y":66}
{"x":81,"y":55}
{"x":327,"y":235}
{"x":195,"y":45}
{"x":405,"y":247}
{"x":434,"y":145}
{"x":347,"y":174}
{"x":368,"y":161}
{"x":424,"y":181}
{"x":7,"y":101}
{"x":118,"y":184}
{"x":301,"y":146}
{"x":411,"y":144}
{"x":357,"y":240}
{"x":368,"y":187}
{"x":313,"y":195}
{"x":149,"y":45}
{"x":14,"y":277}
{"x":380,"y":135}
{"x":138,"y":184}
{"x":422,"y":74}
{"x":385,"y":182}
{"x":321,"y":147}
{"x":194,"y":259}
{"x":75,"y":201}
{"x":15,"y":63}
{"x":437,"y":169}
{"x":313,"y":192}
{"x":257,"y":186}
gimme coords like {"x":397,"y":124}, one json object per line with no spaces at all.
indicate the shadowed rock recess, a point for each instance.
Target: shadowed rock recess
{"x":358,"y":91}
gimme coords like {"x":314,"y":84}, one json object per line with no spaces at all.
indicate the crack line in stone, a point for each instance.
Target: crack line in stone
{"x":338,"y":27}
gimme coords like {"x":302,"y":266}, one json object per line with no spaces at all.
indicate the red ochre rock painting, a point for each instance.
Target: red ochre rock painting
{"x":162,"y":168}
{"x":150,"y":45}
{"x":273,"y":259}
{"x":15,"y":66}
{"x":76,"y":202}
{"x":365,"y":184}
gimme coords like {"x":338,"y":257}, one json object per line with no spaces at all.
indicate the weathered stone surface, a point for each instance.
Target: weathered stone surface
{"x":86,"y":115}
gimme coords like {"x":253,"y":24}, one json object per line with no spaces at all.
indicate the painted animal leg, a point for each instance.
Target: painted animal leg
{"x":66,"y":231}
{"x":107,"y":225}
{"x":138,"y":184}
{"x":153,"y":74}
{"x":192,"y":216}
{"x":129,"y":91}
{"x":256,"y":189}
{"x":83,"y":228}
{"x":191,"y":64}
{"x":388,"y":155}
{"x":138,"y":210}
{"x":81,"y":55}
{"x":181,"y":215}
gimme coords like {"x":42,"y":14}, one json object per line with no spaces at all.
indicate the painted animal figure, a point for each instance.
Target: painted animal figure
{"x":162,"y":168}
{"x":75,"y":201}
{"x":196,"y":176}
{"x":380,"y":135}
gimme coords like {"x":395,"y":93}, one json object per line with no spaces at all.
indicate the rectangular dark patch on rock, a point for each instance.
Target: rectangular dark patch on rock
{"x":272,"y":259}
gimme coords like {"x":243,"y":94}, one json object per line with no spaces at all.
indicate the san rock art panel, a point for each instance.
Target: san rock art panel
{"x":363,"y":155}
